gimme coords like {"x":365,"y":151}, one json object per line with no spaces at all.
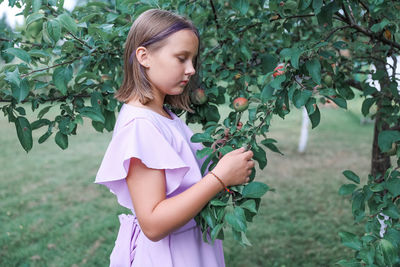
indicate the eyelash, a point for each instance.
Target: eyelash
{"x":183,"y":60}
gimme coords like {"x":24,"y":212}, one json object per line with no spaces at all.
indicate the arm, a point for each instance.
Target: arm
{"x":157,"y":215}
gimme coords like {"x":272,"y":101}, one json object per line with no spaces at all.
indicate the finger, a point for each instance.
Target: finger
{"x":249,"y":154}
{"x":251,"y":163}
{"x":247,"y":179}
{"x":240,"y":150}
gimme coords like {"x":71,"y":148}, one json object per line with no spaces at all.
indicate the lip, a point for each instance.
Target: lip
{"x":184,"y":82}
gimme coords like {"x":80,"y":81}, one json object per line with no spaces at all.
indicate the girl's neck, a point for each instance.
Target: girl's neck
{"x":154,"y":105}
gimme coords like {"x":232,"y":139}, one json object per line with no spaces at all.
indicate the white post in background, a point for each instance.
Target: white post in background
{"x":304,"y":131}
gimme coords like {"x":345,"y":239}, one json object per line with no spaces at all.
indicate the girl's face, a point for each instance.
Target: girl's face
{"x":171,"y":65}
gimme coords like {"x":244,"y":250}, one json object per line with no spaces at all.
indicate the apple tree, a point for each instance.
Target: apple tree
{"x":262,"y":57}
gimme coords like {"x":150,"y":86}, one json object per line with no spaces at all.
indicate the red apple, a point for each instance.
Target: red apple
{"x":198,"y":96}
{"x":240,"y":104}
{"x":279,"y":70}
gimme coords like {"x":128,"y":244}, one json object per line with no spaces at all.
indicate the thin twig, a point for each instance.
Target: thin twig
{"x":26,"y":43}
{"x":335,"y":30}
{"x":215,"y":14}
{"x":54,"y":66}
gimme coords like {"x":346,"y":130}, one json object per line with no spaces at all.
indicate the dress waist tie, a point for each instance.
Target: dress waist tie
{"x":125,"y":245}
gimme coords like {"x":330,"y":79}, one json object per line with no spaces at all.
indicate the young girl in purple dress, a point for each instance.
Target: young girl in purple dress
{"x":150,"y":163}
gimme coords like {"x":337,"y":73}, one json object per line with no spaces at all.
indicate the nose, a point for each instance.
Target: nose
{"x":190,"y":69}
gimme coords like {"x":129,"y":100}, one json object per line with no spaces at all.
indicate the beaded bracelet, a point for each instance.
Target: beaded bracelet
{"x":221,"y":182}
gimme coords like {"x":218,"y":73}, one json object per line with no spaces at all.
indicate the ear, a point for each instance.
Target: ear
{"x":142,"y":56}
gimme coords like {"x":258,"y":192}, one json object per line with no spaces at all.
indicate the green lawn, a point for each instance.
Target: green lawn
{"x":51,"y":213}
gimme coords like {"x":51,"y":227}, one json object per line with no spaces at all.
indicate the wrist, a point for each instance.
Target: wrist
{"x":220,"y":181}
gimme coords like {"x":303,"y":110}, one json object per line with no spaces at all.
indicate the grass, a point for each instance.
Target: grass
{"x":51,"y":213}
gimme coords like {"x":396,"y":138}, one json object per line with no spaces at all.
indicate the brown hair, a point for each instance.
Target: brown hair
{"x":150,"y":30}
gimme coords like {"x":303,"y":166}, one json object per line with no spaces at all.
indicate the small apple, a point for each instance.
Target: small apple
{"x":237,"y":76}
{"x":279,"y":70}
{"x":328,"y":80}
{"x":198,"y":96}
{"x":240,"y":104}
{"x":239,"y":125}
{"x":282,"y":3}
{"x":105,"y":77}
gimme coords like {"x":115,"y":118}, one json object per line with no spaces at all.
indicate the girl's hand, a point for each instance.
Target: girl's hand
{"x":235,"y":167}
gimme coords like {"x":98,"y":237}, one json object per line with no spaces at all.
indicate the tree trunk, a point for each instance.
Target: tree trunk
{"x":379,"y":161}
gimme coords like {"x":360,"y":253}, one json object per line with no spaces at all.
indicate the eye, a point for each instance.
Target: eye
{"x":181,"y":59}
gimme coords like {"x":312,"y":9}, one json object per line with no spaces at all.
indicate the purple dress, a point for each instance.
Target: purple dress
{"x":160,"y":143}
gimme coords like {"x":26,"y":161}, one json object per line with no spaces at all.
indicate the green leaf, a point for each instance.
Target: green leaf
{"x":267,"y":93}
{"x":44,"y":137}
{"x":341,"y":102}
{"x":351,"y":176}
{"x":260,"y":156}
{"x":201,"y":137}
{"x":392,"y":211}
{"x":39,"y":123}
{"x":61,"y":77}
{"x":317,"y":4}
{"x":300,"y":97}
{"x":225,"y":149}
{"x":315,"y":117}
{"x":241,"y":5}
{"x":68,"y":23}
{"x":380,"y":26}
{"x":393,"y":236}
{"x":216,"y":231}
{"x":268,"y":143}
{"x":314,"y":69}
{"x":386,"y":138}
{"x":22,"y":91}
{"x":350,"y":240}
{"x":347,"y":189}
{"x":236,"y":219}
{"x":43,"y":111}
{"x":366,"y":105}
{"x":61,"y":140}
{"x":36,"y":4}
{"x":92,"y":113}
{"x":33,"y":17}
{"x":254,"y":190}
{"x":19,"y":53}
{"x":24,"y":133}
{"x":204,"y":152}
{"x":218,"y":203}
{"x":249,"y":205}
{"x":393,"y":186}
{"x":385,"y":252}
{"x":294,"y":55}
{"x":277,"y":82}
{"x":54,"y":29}
{"x":13,"y":77}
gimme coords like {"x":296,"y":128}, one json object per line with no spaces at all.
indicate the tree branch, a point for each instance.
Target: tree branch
{"x":215,"y":14}
{"x":26,"y":43}
{"x":291,"y":17}
{"x":80,"y":41}
{"x":54,"y":66}
{"x":335,"y":30}
{"x":355,"y":84}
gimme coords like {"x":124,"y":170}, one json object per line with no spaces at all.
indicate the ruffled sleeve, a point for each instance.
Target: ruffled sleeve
{"x":141,"y":139}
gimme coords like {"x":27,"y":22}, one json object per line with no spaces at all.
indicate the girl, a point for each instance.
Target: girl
{"x":150,"y":163}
